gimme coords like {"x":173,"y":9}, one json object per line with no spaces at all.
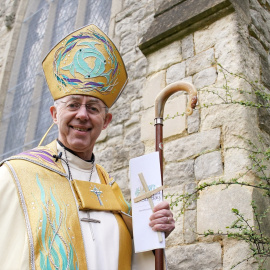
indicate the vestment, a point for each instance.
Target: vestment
{"x":56,"y":238}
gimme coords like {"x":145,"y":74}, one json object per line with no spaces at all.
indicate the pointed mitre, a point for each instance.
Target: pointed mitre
{"x":86,"y":62}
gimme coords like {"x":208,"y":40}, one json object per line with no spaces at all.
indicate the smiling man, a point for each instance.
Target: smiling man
{"x":59,"y":209}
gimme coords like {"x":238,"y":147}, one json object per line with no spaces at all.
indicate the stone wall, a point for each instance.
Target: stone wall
{"x":201,"y":147}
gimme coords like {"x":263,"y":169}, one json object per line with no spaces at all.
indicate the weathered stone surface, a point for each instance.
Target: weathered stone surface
{"x":104,"y":156}
{"x":132,"y":137}
{"x":176,"y":237}
{"x":187,"y":47}
{"x":193,"y":257}
{"x":140,"y":69}
{"x":133,"y":120}
{"x":199,"y":62}
{"x":115,"y":130}
{"x":121,"y":178}
{"x":190,"y":226}
{"x":102,"y":136}
{"x":136,"y":150}
{"x":132,"y":91}
{"x":208,"y":165}
{"x":214,"y":207}
{"x":153,"y":85}
{"x":220,"y":30}
{"x":120,"y":116}
{"x":179,"y":173}
{"x":169,"y":55}
{"x":120,"y":157}
{"x":127,"y":43}
{"x":189,"y":189}
{"x":192,"y":145}
{"x":193,"y":122}
{"x":176,"y":72}
{"x":179,"y":19}
{"x":205,"y":77}
{"x":235,"y":252}
{"x":135,"y":106}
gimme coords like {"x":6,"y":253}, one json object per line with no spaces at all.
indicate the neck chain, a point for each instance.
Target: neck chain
{"x":69,"y":171}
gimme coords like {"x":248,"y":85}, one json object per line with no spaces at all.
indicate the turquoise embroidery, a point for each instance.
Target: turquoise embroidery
{"x":56,"y":249}
{"x":95,"y":49}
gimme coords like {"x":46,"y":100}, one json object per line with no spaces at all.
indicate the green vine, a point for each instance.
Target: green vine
{"x":240,"y":229}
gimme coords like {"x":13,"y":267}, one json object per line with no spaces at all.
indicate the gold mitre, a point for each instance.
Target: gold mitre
{"x":86,"y":62}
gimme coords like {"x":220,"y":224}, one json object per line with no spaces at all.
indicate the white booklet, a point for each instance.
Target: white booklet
{"x":144,"y":237}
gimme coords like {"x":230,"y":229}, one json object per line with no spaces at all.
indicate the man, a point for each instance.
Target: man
{"x":60,"y":210}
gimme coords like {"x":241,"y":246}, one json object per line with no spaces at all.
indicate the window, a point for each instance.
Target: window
{"x":26,"y":114}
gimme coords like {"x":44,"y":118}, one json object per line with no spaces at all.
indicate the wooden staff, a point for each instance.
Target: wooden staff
{"x":159,"y":110}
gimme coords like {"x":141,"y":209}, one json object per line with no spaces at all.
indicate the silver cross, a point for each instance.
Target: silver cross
{"x":97,"y":192}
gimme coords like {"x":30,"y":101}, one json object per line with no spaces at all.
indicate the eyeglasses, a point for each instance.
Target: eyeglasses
{"x":91,"y":108}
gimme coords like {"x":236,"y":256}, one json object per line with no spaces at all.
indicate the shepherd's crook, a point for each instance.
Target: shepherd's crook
{"x":159,"y":110}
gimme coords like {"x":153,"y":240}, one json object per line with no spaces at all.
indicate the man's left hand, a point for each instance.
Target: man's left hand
{"x":162,"y":219}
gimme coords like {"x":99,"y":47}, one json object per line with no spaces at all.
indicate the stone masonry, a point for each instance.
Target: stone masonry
{"x":204,"y":146}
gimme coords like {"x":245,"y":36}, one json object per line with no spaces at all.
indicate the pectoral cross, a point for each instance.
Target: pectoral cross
{"x":97,"y":192}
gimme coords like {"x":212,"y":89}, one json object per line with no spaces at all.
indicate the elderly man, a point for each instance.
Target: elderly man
{"x":59,"y":209}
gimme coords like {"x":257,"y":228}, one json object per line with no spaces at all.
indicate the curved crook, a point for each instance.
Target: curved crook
{"x":171,"y":89}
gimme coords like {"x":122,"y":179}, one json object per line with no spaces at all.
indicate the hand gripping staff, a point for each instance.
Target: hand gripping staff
{"x":159,"y":110}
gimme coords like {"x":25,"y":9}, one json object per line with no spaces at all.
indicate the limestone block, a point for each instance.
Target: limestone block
{"x":201,"y":256}
{"x":208,"y":165}
{"x":187,"y":47}
{"x":124,"y":27}
{"x":176,"y":237}
{"x":144,"y":24}
{"x":179,"y":173}
{"x":205,"y":77}
{"x":176,"y":72}
{"x":132,"y":56}
{"x":104,"y":156}
{"x":121,"y":178}
{"x":135,"y":106}
{"x":113,"y":141}
{"x":135,"y":118}
{"x":199,"y":62}
{"x":120,"y":157}
{"x":153,"y":85}
{"x":136,"y":150}
{"x":235,"y":252}
{"x":140,"y":69}
{"x":171,"y":126}
{"x":127,"y":43}
{"x":191,"y":188}
{"x":165,"y":57}
{"x":221,"y":29}
{"x":214,"y":207}
{"x":190,"y":233}
{"x":193,"y":122}
{"x":235,"y":160}
{"x":192,"y":145}
{"x":115,"y":130}
{"x":260,"y":23}
{"x":102,"y":136}
{"x":120,"y":115}
{"x":116,"y":7}
{"x":133,"y":90}
{"x":132,"y":137}
{"x":144,"y":12}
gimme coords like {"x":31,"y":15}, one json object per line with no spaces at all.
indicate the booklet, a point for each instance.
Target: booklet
{"x":144,"y":237}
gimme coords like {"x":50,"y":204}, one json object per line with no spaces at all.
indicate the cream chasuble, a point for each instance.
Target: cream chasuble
{"x":36,"y":217}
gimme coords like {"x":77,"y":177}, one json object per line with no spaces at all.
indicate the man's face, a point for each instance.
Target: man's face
{"x":80,"y":128}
